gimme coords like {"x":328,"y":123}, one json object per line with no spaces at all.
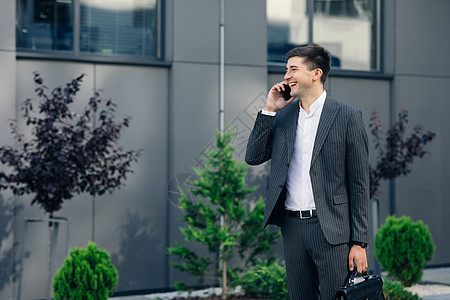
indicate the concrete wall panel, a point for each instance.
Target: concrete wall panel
{"x":196,"y":30}
{"x":423,"y":194}
{"x":131,"y":222}
{"x":422,"y":43}
{"x":7,"y":94}
{"x":7,"y":24}
{"x":7,"y":112}
{"x":245,"y":32}
{"x":245,"y":95}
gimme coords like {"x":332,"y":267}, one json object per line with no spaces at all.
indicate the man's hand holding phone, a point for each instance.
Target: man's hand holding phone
{"x":279,"y":97}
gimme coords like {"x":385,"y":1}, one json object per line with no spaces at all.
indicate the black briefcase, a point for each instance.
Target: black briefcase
{"x":371,"y":288}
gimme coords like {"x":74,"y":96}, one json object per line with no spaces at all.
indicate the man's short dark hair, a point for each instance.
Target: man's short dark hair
{"x":314,"y":57}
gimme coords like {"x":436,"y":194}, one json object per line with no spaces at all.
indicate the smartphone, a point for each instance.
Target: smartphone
{"x":287,"y":92}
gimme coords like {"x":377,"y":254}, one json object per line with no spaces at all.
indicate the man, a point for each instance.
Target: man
{"x":318,"y":186}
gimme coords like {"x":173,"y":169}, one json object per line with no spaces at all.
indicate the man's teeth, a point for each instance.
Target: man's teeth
{"x":291,"y":84}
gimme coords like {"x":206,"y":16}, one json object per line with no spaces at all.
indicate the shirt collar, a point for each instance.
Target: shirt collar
{"x":316,"y":104}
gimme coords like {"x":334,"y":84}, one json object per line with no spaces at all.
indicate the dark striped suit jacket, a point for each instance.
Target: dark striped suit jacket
{"x":339,"y":167}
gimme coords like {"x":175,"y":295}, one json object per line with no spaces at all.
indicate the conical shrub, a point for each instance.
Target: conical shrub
{"x":402,"y":247}
{"x":87,"y":274}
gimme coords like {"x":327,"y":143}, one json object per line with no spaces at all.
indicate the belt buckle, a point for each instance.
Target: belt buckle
{"x":302,"y":217}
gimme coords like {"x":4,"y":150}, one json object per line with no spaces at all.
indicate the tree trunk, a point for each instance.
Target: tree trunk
{"x":224,"y":280}
{"x":49,"y":268}
{"x":224,"y":266}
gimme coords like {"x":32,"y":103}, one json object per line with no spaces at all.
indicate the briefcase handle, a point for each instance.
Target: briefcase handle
{"x":353,"y":274}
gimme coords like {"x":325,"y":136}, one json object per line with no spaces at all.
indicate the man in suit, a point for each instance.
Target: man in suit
{"x":318,"y":185}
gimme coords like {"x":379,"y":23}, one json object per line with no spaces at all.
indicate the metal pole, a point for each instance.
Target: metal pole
{"x":375,"y":225}
{"x":222,"y":68}
{"x":53,"y":250}
{"x":310,"y":21}
{"x":68,"y":237}
{"x":76,"y":28}
{"x":393,"y":115}
{"x":93,"y":218}
{"x":22,"y":256}
{"x":222,"y":92}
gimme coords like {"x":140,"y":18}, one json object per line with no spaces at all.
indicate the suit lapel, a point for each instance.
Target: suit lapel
{"x":329,"y":113}
{"x":291,"y":126}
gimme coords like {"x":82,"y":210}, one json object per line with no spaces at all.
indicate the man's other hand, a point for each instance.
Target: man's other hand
{"x":357,"y":258}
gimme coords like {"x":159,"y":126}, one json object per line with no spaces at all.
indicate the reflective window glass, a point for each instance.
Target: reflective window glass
{"x":287,"y":27}
{"x":347,"y":28}
{"x":45,"y":24}
{"x":127,"y":28}
{"x":123,"y":27}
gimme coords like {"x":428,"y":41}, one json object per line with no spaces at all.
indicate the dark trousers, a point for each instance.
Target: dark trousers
{"x":311,"y":261}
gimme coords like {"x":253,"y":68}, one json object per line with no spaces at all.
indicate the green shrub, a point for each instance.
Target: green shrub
{"x":86,"y":274}
{"x":393,"y":290}
{"x":265,"y":280}
{"x":402,"y":247}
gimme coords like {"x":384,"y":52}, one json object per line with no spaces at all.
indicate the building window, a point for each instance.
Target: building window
{"x":45,"y":25}
{"x":347,"y":28}
{"x":90,"y":27}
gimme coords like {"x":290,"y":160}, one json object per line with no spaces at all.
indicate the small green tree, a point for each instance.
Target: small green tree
{"x":87,"y":274}
{"x":402,"y":247}
{"x":219,"y":220}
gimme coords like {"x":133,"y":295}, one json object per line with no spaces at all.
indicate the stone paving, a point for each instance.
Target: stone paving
{"x":435,"y":285}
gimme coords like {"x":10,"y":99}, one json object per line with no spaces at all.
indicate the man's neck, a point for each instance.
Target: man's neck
{"x":308,"y":100}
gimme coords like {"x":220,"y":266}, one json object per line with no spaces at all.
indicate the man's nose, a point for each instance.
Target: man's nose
{"x":287,"y":75}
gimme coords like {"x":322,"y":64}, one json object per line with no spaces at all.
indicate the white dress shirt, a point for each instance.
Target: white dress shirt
{"x":299,"y":194}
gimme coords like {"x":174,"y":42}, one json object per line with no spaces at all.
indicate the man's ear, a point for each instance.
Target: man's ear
{"x":317,"y":74}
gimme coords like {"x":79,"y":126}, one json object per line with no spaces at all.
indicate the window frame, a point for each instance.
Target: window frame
{"x":77,"y":56}
{"x":378,"y":73}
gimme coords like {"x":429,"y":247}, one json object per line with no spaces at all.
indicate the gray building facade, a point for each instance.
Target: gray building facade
{"x":174,"y":104}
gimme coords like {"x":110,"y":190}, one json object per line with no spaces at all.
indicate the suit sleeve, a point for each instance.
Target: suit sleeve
{"x":259,"y":146}
{"x":358,"y":178}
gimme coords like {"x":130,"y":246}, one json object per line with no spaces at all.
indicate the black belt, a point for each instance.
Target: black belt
{"x":304,"y":214}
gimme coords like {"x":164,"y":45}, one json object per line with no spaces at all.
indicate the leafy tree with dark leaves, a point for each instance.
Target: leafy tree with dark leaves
{"x":398,"y":152}
{"x":68,"y":153}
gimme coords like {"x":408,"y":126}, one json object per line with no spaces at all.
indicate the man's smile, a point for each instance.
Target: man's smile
{"x":292,"y":85}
